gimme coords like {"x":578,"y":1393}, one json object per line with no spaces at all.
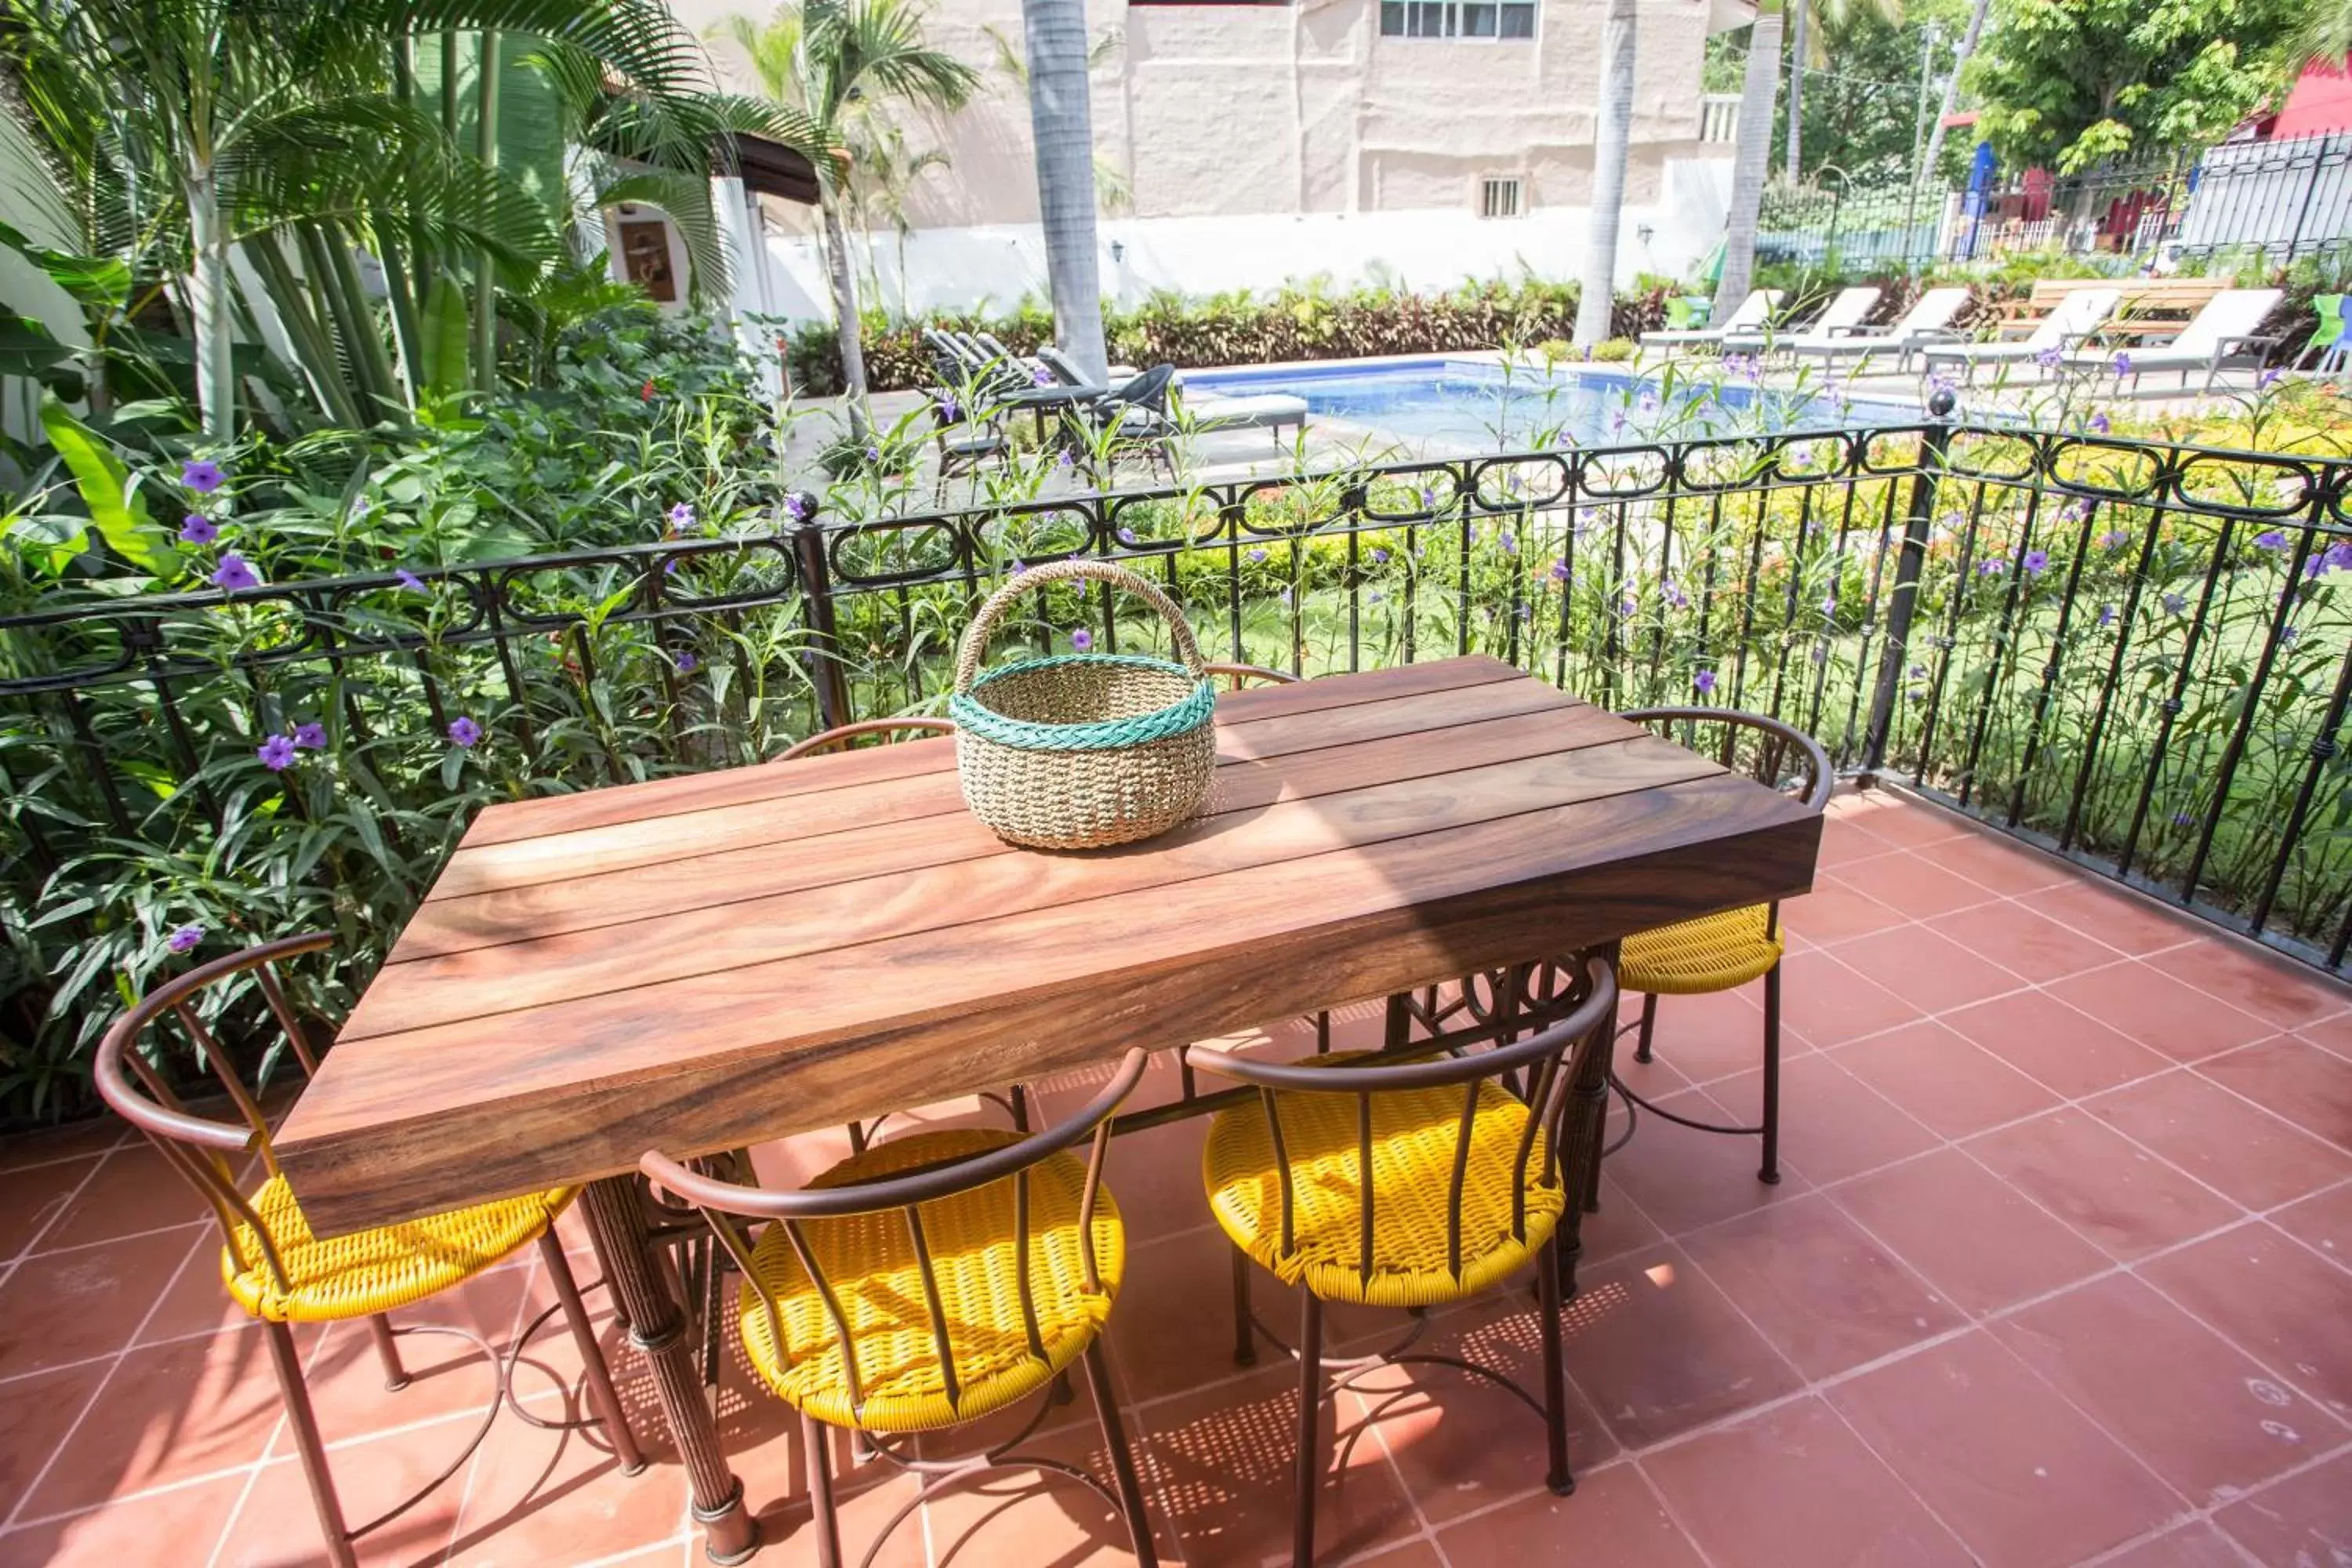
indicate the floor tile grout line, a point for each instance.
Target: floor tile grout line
{"x":114,"y":1365}
{"x":2204,"y":1513}
{"x":1665,"y":1505}
{"x":65,"y":1204}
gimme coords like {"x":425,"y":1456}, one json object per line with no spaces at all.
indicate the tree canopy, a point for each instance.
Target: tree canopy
{"x":2069,"y":82}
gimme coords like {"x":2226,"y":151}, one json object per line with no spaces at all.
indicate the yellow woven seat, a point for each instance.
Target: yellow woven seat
{"x":1713,"y":952}
{"x":870,"y":1263}
{"x":372,"y":1270}
{"x":1413,"y":1138}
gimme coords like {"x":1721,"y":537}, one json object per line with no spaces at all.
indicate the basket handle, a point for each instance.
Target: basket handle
{"x":975,"y":636}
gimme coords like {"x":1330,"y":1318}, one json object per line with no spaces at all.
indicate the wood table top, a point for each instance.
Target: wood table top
{"x":701,"y":962}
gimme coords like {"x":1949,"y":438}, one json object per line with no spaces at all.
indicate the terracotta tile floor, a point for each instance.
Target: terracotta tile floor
{"x":2061,"y":1271}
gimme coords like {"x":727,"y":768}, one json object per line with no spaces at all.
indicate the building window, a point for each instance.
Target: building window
{"x":1457,"y":19}
{"x":1498,"y":196}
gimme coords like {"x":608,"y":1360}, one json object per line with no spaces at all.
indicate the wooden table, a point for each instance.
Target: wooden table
{"x":703,"y":963}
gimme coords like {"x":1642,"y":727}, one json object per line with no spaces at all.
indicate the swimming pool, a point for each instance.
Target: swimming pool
{"x":1480,"y":405}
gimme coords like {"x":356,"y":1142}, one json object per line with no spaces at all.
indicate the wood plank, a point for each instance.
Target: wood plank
{"x":452,"y":925}
{"x":518,"y":976}
{"x":645,"y":841}
{"x":506,"y":822}
{"x":407,"y":1124}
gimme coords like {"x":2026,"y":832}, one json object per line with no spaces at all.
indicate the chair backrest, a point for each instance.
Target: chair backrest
{"x":1755,"y":310}
{"x":1241,"y":675}
{"x":2074,"y":317}
{"x":196,"y":1146}
{"x":2329,"y":309}
{"x":1063,"y":366}
{"x":1848,"y":309}
{"x":722,"y":1202}
{"x":2231,"y":314}
{"x":1931,"y":312}
{"x":1149,"y":389}
{"x":1783,"y":757}
{"x":841,"y":736}
{"x":1551,"y":1060}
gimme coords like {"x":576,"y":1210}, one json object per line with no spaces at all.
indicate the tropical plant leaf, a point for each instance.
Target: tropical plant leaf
{"x":116,"y":508}
{"x":444,"y":329}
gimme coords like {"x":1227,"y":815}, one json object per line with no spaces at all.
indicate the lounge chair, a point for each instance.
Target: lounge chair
{"x":1929,"y":320}
{"x":1065,"y":372}
{"x":1842,"y":315}
{"x":1205,"y":411}
{"x":1750,"y":319}
{"x":2078,"y":315}
{"x":2225,"y":326}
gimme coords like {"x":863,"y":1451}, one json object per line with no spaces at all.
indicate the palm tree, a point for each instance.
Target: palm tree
{"x":828,"y":59}
{"x":1753,"y":151}
{"x":1596,"y":304}
{"x":186,"y":131}
{"x":1062,"y":122}
{"x":1935,"y":148}
{"x":1810,"y":23}
{"x":884,"y":173}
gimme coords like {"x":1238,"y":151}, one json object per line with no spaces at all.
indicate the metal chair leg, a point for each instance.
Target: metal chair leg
{"x":307,"y":1442}
{"x":1122,"y":1462}
{"x":1245,"y":1342}
{"x":1769,"y":1171}
{"x":1310,"y":1428}
{"x":819,"y":1485}
{"x":1648,"y":1023}
{"x":387,"y":1351}
{"x":601,"y":1392}
{"x":1555,"y":1374}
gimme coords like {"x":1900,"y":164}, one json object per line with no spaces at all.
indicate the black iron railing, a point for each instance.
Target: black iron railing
{"x":2131,"y":653}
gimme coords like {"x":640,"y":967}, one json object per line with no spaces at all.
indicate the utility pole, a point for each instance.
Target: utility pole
{"x":1934,"y":35}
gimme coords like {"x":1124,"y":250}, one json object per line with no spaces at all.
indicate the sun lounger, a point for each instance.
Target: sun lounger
{"x":1929,"y":320}
{"x":1754,"y":313}
{"x":2227,"y":325}
{"x":1844,"y":314}
{"x":2078,"y":315}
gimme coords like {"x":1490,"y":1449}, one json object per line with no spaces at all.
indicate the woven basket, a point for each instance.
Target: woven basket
{"x":1078,"y":750}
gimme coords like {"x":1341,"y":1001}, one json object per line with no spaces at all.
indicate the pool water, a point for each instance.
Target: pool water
{"x":1477,"y":406}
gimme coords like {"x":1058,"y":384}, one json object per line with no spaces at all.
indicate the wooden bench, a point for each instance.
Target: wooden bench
{"x":2150,"y":306}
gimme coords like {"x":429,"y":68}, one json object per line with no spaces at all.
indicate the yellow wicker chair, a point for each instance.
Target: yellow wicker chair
{"x":1370,"y":1177}
{"x":280,"y":1271}
{"x":1726,"y":950}
{"x":929,"y":1281}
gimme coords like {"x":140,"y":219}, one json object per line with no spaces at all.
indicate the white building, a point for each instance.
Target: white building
{"x":1257,"y":142}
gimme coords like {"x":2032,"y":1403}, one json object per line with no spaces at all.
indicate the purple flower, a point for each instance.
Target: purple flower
{"x":1285,"y":595}
{"x":1559,"y":570}
{"x":2101,"y":425}
{"x":2123,"y":366}
{"x":2050,"y":358}
{"x":949,"y":410}
{"x":1041,"y":376}
{"x":1510,"y":545}
{"x":2290,"y":636}
{"x":2182,"y":819}
{"x":311,"y":737}
{"x":2338,"y":557}
{"x":197,"y":528}
{"x":681,"y":517}
{"x":1082,"y":640}
{"x":1829,"y":605}
{"x":2106,"y":614}
{"x":873,"y":453}
{"x":1428,"y":497}
{"x":1065,"y":458}
{"x":687,"y":663}
{"x":187,"y":937}
{"x":2268,"y":379}
{"x":277,"y":754}
{"x":1917,"y":672}
{"x":1257,"y":557}
{"x":233,"y":572}
{"x":361,"y":507}
{"x":1127,"y":536}
{"x":1374,"y":597}
{"x":2174,"y":604}
{"x":1626,"y":606}
{"x":1379,"y":556}
{"x":1992,"y":567}
{"x":2270,"y":539}
{"x":1703,"y":681}
{"x":2036,"y":562}
{"x":1617,"y":423}
{"x":1675,"y":597}
{"x":465,"y":732}
{"x":2115,"y":539}
{"x":796,"y":507}
{"x":201,"y":477}
{"x":1648,"y":402}
{"x":409,"y":580}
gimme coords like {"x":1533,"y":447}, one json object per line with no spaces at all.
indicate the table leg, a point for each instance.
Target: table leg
{"x":658,"y":1330}
{"x":1587,"y":1130}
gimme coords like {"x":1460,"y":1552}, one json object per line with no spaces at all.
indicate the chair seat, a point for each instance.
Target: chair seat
{"x":870,"y":1263}
{"x":1713,"y":952}
{"x":371,"y":1271}
{"x":1414,"y":1135}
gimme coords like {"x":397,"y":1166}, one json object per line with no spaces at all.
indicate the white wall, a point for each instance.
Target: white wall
{"x":999,"y":264}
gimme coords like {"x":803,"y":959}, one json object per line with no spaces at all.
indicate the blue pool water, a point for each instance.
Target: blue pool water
{"x":1478,"y":406}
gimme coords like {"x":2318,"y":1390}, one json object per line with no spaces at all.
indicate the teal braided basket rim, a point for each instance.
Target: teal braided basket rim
{"x":973,"y":717}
